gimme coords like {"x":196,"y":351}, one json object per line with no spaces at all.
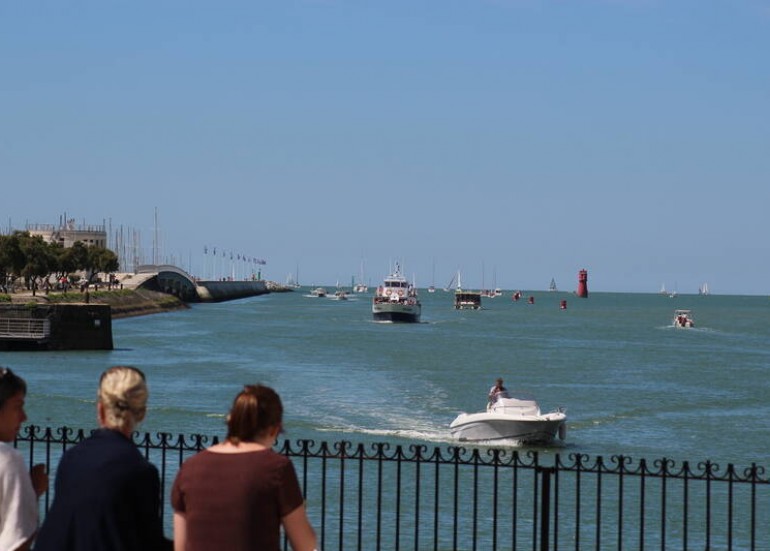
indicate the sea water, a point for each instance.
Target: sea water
{"x":631,"y":383}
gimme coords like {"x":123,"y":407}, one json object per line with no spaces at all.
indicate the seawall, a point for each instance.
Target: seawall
{"x":218,"y":291}
{"x":55,"y":327}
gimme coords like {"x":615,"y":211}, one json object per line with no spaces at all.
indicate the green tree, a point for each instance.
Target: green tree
{"x":12,"y":257}
{"x":39,"y":258}
{"x":101,"y":260}
{"x":73,"y":258}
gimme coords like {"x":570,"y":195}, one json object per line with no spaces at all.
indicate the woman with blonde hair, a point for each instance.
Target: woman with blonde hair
{"x":106,"y":494}
{"x":238,"y":494}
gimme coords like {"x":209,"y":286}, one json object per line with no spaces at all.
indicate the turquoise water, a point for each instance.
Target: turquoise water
{"x":631,"y":383}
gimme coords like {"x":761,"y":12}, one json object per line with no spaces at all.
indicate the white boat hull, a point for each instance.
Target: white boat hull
{"x":475,"y":427}
{"x":397,"y":312}
{"x":510,"y":419}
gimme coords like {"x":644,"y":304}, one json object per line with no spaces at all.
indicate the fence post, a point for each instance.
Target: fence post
{"x":545,"y":506}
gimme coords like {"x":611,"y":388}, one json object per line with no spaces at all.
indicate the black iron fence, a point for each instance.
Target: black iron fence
{"x":382,"y":496}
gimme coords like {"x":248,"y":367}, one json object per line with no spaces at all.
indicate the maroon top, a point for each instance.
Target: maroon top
{"x":235,"y":501}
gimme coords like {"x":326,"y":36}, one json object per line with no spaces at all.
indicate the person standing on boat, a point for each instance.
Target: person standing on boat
{"x":498,"y":391}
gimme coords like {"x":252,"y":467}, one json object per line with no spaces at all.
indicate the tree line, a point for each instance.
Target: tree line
{"x":31,"y":258}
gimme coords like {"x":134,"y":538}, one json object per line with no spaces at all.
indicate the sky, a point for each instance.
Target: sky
{"x":514,"y":140}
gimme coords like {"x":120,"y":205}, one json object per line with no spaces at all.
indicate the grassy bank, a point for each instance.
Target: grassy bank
{"x":123,"y":302}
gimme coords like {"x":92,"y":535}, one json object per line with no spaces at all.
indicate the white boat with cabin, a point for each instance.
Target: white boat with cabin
{"x":340,"y":294}
{"x":466,"y":300}
{"x":360,"y":286}
{"x":396,"y":300}
{"x":683,"y":319}
{"x":515,"y":419}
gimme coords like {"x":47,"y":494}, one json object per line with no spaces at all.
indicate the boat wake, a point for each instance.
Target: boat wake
{"x":428,"y":435}
{"x":689,"y":329}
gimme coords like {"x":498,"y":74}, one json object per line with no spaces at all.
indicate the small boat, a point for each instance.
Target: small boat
{"x":360,"y":287}
{"x":396,"y":300}
{"x":516,"y":419}
{"x":340,"y":294}
{"x":291,"y":283}
{"x":466,"y":300}
{"x":318,"y":292}
{"x":432,"y":288}
{"x":451,"y":282}
{"x":683,"y":319}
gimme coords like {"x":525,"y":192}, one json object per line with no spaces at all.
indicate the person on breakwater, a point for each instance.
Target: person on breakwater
{"x":237,"y":494}
{"x":106,"y":494}
{"x":19,"y":489}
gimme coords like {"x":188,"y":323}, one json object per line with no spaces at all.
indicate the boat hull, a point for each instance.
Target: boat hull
{"x":396,"y":312}
{"x":541,"y":429}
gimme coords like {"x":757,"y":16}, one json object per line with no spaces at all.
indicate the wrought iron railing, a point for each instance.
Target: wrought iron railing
{"x":383,"y":496}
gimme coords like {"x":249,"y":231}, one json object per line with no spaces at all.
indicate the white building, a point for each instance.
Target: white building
{"x":68,"y":233}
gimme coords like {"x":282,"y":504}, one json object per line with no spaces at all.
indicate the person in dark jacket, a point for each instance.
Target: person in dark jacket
{"x":106,"y":494}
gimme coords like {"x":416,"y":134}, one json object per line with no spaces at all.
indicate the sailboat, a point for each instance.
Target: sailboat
{"x":291,"y":282}
{"x":432,"y":288}
{"x":451,"y":282}
{"x":360,"y":287}
{"x":552,"y":286}
{"x":704,"y":289}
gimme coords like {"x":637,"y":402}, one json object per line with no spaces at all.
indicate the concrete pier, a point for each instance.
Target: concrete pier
{"x":217,"y":291}
{"x":55,"y":327}
{"x":175,"y":281}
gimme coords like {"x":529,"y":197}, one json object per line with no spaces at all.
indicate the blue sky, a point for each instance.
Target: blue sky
{"x":520,"y":140}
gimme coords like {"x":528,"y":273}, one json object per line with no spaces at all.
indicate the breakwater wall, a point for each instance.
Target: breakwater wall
{"x":218,"y":291}
{"x":55,"y":327}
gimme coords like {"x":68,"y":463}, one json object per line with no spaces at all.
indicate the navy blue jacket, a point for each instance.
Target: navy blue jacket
{"x":106,"y":497}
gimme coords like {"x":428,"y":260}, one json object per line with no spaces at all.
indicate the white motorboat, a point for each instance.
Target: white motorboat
{"x":340,"y":294}
{"x":515,"y":419}
{"x":318,"y":292}
{"x":683,"y":319}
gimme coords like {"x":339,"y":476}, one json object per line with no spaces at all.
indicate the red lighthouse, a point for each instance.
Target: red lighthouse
{"x":582,"y":290}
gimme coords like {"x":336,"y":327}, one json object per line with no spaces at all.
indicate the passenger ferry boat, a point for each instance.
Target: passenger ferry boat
{"x":467,"y":300}
{"x":396,"y":300}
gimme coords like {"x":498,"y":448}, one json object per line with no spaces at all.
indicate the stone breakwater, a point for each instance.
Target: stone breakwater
{"x":123,"y":302}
